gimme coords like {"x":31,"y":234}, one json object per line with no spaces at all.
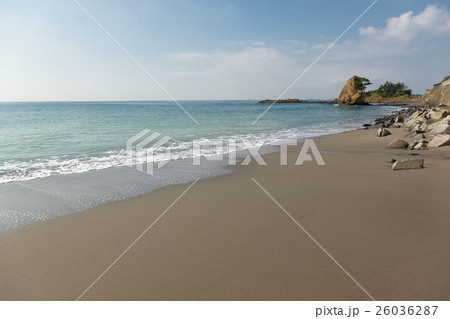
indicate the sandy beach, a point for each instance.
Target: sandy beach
{"x":226,"y":239}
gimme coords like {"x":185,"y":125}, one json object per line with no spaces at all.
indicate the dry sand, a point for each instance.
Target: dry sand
{"x":227,"y":240}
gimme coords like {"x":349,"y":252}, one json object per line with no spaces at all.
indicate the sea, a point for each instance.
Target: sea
{"x":58,"y":158}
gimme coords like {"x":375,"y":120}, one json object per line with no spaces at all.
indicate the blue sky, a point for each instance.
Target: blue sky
{"x":216,"y":49}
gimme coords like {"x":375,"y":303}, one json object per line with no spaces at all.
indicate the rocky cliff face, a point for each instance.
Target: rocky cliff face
{"x":440,"y":94}
{"x":350,"y":94}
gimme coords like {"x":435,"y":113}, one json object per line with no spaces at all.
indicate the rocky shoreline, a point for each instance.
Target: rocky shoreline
{"x":427,"y":127}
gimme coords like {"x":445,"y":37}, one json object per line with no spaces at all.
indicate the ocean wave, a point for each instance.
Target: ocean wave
{"x":16,"y":170}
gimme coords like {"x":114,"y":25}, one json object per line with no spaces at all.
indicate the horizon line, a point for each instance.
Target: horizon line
{"x":193,"y":100}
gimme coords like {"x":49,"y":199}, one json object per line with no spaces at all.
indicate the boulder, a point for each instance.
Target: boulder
{"x":414,"y":133}
{"x":439,"y":140}
{"x":410,"y":163}
{"x":414,"y":115}
{"x":412,"y":144}
{"x":398,"y":144}
{"x":383,"y":132}
{"x":437,"y":115}
{"x":351,"y":94}
{"x":415,"y":142}
{"x":420,"y":119}
{"x":423,"y":126}
{"x":400,"y":118}
{"x":431,"y":126}
{"x":446,"y":120}
{"x":379,"y":125}
{"x":415,"y":122}
{"x":441,"y":129}
{"x":419,"y":137}
{"x":421,"y":146}
{"x":409,"y":123}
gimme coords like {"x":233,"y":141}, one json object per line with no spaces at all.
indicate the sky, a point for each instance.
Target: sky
{"x":50,"y":50}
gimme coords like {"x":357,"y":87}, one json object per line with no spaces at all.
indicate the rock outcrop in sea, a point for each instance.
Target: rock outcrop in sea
{"x":351,"y":94}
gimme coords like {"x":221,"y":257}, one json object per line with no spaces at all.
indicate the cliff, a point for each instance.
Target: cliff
{"x":351,"y":93}
{"x":439,"y":95}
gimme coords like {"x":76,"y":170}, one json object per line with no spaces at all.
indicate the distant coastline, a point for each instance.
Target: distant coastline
{"x":267,"y":101}
{"x":400,"y":99}
{"x":384,"y":101}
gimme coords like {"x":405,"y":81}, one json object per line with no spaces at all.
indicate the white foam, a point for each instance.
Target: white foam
{"x":13,"y":171}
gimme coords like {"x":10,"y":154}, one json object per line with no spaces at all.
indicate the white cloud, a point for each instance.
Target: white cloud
{"x":264,"y":70}
{"x":434,"y":20}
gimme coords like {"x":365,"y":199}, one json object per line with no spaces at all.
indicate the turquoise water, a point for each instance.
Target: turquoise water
{"x":41,"y":139}
{"x":61,"y":158}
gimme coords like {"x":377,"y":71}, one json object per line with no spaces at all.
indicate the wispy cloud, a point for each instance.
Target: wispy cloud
{"x":220,"y":64}
{"x":249,"y":71}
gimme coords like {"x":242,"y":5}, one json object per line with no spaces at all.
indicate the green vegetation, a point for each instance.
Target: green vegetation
{"x":361,"y":83}
{"x":390,"y":89}
{"x":446,"y":78}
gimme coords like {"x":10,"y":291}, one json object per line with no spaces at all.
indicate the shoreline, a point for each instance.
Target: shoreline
{"x":226,"y":240}
{"x":24,"y":162}
{"x":64,"y":194}
{"x":208,"y":169}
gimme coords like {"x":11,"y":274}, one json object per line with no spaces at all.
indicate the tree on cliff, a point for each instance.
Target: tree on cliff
{"x":362,"y":83}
